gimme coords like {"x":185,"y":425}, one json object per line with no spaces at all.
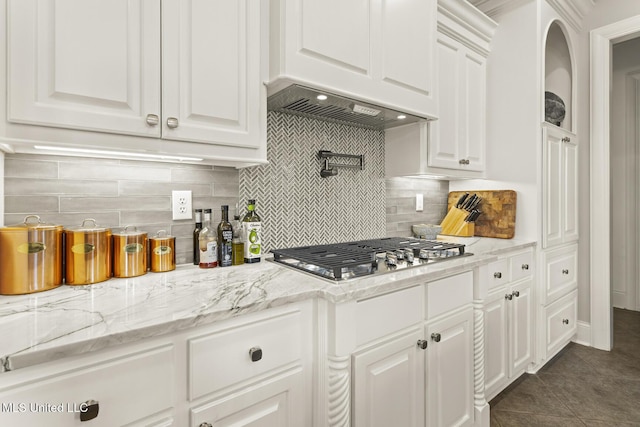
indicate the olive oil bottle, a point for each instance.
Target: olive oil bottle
{"x":225,"y":239}
{"x":251,"y":233}
{"x":237,"y":257}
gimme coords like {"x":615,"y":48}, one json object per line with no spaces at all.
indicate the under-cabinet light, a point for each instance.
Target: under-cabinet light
{"x":117,"y":153}
{"x":321,"y":97}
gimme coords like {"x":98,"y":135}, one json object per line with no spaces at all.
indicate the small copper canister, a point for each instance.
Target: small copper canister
{"x":87,"y":253}
{"x":30,"y":257}
{"x":162,"y":251}
{"x":129,"y":252}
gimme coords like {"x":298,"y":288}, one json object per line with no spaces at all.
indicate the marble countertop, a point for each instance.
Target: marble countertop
{"x":71,"y":320}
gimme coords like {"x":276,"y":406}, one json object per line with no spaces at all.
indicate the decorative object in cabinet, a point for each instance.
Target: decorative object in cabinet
{"x":162,"y":69}
{"x":377,"y":52}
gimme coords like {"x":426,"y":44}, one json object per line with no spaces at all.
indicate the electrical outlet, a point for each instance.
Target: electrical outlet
{"x":419,"y":202}
{"x":181,"y":204}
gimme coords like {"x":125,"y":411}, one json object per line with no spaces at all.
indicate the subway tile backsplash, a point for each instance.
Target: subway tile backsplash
{"x":66,"y":190}
{"x":297,"y":205}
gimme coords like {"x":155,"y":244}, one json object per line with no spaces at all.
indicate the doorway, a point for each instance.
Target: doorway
{"x":602,"y":40}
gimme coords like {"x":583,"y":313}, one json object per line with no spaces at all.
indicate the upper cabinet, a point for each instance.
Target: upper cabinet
{"x":380,"y":52}
{"x":455,"y":144}
{"x":189,"y":71}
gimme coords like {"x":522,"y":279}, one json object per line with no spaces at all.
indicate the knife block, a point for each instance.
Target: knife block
{"x":454,"y":223}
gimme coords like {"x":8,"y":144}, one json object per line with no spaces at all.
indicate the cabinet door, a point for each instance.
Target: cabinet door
{"x":520,"y":324}
{"x":570,"y":200}
{"x":85,"y":65}
{"x":277,"y":402}
{"x":553,"y":180}
{"x":450,"y":371}
{"x":389,"y":384}
{"x":212,"y":76}
{"x":495,"y":342}
{"x":458,"y":138}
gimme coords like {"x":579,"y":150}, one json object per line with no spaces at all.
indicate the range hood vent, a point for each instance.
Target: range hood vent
{"x":303,"y":101}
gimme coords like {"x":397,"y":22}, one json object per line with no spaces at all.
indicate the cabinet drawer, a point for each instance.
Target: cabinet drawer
{"x":498,"y":273}
{"x":561,"y":322}
{"x":561,"y":267}
{"x":128,"y":388}
{"x":222,"y":358}
{"x":448,"y":294}
{"x":379,"y":316}
{"x":521,"y":266}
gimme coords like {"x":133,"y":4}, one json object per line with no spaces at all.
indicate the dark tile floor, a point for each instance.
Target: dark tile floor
{"x":581,"y":386}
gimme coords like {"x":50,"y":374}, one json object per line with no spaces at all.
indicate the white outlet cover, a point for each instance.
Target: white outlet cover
{"x":419,"y":202}
{"x":181,"y":205}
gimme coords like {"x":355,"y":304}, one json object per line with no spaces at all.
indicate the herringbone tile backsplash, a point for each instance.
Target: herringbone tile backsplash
{"x":299,"y":207}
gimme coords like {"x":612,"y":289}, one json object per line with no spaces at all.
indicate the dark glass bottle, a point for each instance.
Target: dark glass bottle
{"x":208,"y":243}
{"x":225,"y":239}
{"x":252,"y":233}
{"x":196,"y":236}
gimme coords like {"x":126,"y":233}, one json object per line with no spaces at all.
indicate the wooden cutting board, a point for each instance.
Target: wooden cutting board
{"x":498,"y":208}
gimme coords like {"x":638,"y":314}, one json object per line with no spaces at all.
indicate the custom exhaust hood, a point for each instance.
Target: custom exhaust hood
{"x":322,"y":105}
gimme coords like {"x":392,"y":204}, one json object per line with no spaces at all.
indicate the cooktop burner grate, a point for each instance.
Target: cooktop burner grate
{"x":354,"y":259}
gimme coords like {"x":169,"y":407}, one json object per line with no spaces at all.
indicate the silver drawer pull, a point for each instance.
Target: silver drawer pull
{"x":497,"y":275}
{"x":565,"y":321}
{"x":436,"y":337}
{"x":205,"y":424}
{"x":423,"y":344}
{"x":508,"y":296}
{"x":255,"y":353}
{"x":565,"y":271}
{"x":525,"y":266}
{"x":515,"y":293}
{"x":153,"y":119}
{"x":89,"y":410}
{"x":172,"y":123}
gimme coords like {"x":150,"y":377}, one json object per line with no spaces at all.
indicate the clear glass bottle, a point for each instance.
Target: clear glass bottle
{"x":237,"y":257}
{"x":208,"y":243}
{"x":251,"y":233}
{"x":196,"y":236}
{"x":225,"y":239}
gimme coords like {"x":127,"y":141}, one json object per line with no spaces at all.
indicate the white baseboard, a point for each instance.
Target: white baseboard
{"x":583,"y":336}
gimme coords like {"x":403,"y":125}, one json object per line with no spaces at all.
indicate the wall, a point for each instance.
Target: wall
{"x":299,"y":207}
{"x":65,"y":190}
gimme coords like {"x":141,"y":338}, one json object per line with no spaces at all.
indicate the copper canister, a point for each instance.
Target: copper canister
{"x":87,"y":253}
{"x":129,"y":252}
{"x":162,"y":251}
{"x":30,"y":257}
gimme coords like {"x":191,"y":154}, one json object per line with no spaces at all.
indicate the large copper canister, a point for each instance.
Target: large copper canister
{"x":129,"y":252}
{"x":30,"y":257}
{"x":87,"y":253}
{"x":162,"y":250}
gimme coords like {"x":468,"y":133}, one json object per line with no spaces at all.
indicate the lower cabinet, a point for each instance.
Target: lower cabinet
{"x":450,"y":370}
{"x":389,"y":383}
{"x":560,"y":323}
{"x":132,"y":387}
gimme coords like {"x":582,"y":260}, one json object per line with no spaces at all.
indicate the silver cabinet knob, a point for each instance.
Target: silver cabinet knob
{"x":255,"y":353}
{"x":565,"y":271}
{"x":153,"y":119}
{"x":565,"y":321}
{"x":525,"y":266}
{"x":89,"y":410}
{"x":205,"y":424}
{"x":497,"y":275}
{"x":515,"y":293}
{"x":508,"y":296}
{"x":436,"y":337}
{"x":172,"y":123}
{"x":463,"y":161}
{"x":423,"y":344}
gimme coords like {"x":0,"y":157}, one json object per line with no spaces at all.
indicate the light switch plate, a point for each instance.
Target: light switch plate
{"x":181,"y":204}
{"x":419,"y":202}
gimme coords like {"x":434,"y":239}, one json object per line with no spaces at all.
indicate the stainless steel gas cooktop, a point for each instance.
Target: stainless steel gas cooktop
{"x":342,"y":261}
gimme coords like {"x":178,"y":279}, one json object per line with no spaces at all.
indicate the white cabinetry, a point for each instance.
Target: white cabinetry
{"x":422,"y":363}
{"x":508,"y":311}
{"x":381,"y":52}
{"x":177,"y":70}
{"x":560,"y":175}
{"x":132,"y":387}
{"x":453,"y":145}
